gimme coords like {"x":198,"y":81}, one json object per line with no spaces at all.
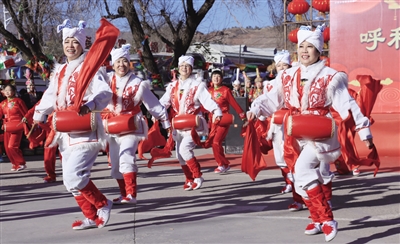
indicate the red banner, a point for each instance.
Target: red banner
{"x":365,"y":40}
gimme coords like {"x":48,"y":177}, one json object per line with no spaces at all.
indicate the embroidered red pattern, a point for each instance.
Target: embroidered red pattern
{"x":317,"y":95}
{"x":189,"y":101}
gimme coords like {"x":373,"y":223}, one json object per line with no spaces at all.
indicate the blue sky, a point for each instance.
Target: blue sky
{"x":223,"y":15}
{"x":226,"y":16}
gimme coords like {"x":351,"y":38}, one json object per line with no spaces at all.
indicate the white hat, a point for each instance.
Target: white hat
{"x":122,"y":52}
{"x":186,"y":59}
{"x":236,"y":82}
{"x":314,"y":37}
{"x":76,"y":32}
{"x":282,"y":56}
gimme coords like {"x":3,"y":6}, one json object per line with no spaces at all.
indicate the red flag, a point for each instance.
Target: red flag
{"x":252,"y":159}
{"x":365,"y":99}
{"x":157,"y":153}
{"x":153,"y":140}
{"x":106,"y":37}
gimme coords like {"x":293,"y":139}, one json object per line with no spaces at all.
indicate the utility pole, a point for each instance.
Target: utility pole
{"x":6,"y":20}
{"x":240,"y":53}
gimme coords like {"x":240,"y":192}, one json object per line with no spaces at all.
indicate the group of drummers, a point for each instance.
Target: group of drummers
{"x":298,"y":103}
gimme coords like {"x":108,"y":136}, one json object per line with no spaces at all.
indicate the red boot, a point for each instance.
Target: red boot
{"x":194,"y":167}
{"x":189,"y":178}
{"x":321,"y":205}
{"x":89,"y":211}
{"x":314,"y":227}
{"x":130,"y":187}
{"x":96,"y":198}
{"x":121,"y":185}
{"x":327,"y":189}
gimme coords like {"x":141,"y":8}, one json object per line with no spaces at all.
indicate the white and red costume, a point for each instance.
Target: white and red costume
{"x":129,"y":92}
{"x":313,"y":90}
{"x":188,"y":97}
{"x":79,"y":150}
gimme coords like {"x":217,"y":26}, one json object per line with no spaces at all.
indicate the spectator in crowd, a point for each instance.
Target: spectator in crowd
{"x":237,"y":90}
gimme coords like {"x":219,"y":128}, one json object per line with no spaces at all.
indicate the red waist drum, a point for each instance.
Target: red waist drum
{"x":185,"y":121}
{"x":71,"y":122}
{"x":279,"y":116}
{"x":226,"y":120}
{"x":13,"y":126}
{"x":312,"y":127}
{"x":121,"y":124}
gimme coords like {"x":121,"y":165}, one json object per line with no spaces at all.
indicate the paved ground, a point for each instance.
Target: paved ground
{"x":227,"y":209}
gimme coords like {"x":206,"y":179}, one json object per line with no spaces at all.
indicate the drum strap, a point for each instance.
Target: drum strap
{"x":177,"y":97}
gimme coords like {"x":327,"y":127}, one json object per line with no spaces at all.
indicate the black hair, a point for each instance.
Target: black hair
{"x":217,"y":72}
{"x":13,"y":88}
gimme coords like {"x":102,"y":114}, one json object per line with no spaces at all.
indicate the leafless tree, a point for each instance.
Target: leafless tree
{"x":173,"y":22}
{"x":31,"y":24}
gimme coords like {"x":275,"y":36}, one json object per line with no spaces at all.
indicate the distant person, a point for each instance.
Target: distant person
{"x":223,"y":97}
{"x":237,"y":90}
{"x":33,"y":96}
{"x":13,"y":110}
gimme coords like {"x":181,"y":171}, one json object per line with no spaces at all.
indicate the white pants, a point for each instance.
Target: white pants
{"x":277,"y":144}
{"x":309,"y":169}
{"x":76,"y":166}
{"x":184,"y":146}
{"x":122,"y":150}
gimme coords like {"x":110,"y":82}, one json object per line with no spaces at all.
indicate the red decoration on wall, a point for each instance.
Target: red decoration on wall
{"x":328,"y":61}
{"x":298,"y":7}
{"x":293,"y":35}
{"x":326,"y":34}
{"x":154,"y":47}
{"x":322,"y":6}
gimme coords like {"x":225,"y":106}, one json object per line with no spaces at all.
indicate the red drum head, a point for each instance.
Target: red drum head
{"x":279,"y":116}
{"x":121,"y":124}
{"x":313,"y":127}
{"x":227,"y":119}
{"x":71,"y":122}
{"x":185,"y":121}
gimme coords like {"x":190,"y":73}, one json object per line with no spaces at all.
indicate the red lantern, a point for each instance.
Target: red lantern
{"x":293,"y":35}
{"x":328,"y":61}
{"x":326,"y":34}
{"x":298,"y":7}
{"x":322,"y":6}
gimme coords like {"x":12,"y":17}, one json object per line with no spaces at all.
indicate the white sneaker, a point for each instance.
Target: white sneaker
{"x":222,"y":169}
{"x":188,"y":186}
{"x":129,"y":200}
{"x":104,"y":214}
{"x":313,"y":228}
{"x":197,"y":183}
{"x":18,"y":168}
{"x":296,"y":206}
{"x":356,"y":172}
{"x":84,"y":224}
{"x":117,"y":201}
{"x":287,"y":189}
{"x":330,"y":229}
